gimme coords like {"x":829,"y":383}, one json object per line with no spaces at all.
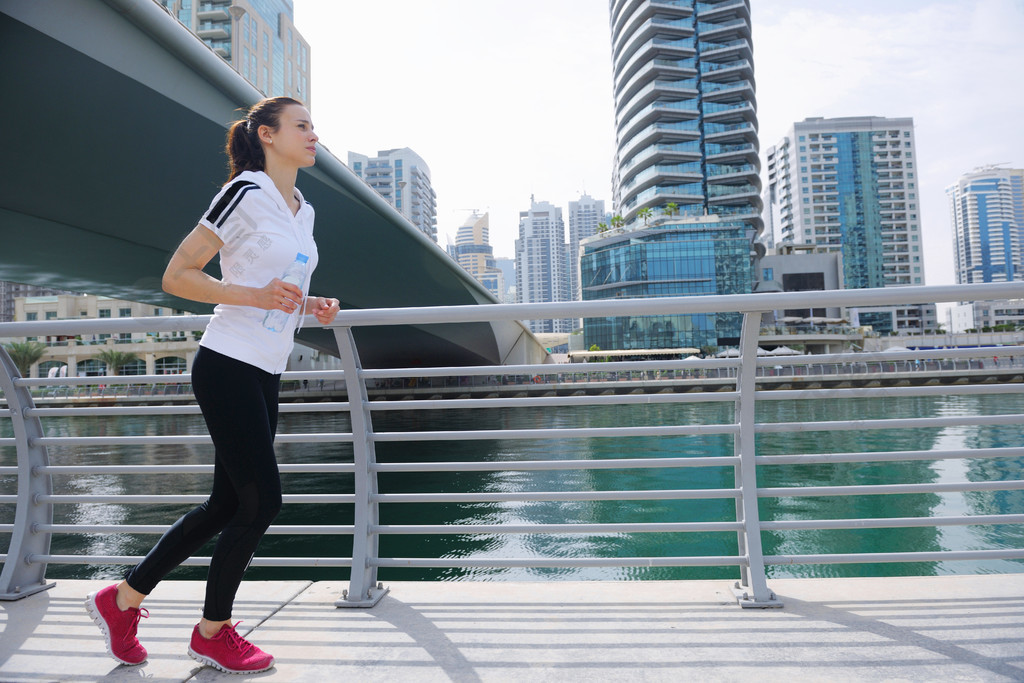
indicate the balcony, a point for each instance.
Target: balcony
{"x":214,"y":30}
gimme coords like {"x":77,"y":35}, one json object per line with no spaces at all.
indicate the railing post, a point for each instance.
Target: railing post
{"x":752,"y":589}
{"x":21,"y":576}
{"x":363,"y":589}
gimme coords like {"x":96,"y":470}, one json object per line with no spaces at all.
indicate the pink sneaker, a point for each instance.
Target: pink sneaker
{"x":119,"y":628}
{"x":228,"y":652}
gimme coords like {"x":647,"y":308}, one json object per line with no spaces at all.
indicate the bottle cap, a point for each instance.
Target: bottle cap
{"x":301,"y":258}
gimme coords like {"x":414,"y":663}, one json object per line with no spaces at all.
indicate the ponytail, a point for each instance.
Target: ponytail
{"x":244,"y":149}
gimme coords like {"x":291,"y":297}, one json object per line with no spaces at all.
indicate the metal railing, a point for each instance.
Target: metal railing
{"x":24,"y":569}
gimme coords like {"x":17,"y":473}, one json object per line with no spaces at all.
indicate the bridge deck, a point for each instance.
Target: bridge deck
{"x":967,"y":628}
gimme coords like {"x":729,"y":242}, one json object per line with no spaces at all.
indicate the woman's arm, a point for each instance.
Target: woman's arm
{"x":184,"y":277}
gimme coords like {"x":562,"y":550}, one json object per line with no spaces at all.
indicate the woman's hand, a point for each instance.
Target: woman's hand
{"x":278,"y":294}
{"x":323,"y":308}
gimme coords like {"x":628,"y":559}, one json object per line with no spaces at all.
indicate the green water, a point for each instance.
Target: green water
{"x":578,"y":545}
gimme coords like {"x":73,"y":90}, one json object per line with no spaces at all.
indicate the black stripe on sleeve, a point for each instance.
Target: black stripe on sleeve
{"x":220,"y":210}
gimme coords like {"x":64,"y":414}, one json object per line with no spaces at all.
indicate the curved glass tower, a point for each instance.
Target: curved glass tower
{"x":686,"y":180}
{"x":685,"y":114}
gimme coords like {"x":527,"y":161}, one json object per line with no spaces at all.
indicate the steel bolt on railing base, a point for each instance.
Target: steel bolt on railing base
{"x":747,"y":601}
{"x":373,"y":596}
{"x":19,"y":592}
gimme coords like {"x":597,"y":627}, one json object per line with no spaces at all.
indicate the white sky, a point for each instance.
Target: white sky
{"x":508,"y":98}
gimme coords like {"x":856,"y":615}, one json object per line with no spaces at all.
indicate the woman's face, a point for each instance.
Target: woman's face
{"x":294,"y":141}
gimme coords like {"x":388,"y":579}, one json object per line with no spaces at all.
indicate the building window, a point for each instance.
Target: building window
{"x":30,"y":317}
{"x":51,"y":315}
{"x":104,"y":313}
{"x":124,"y":312}
{"x":768,"y":274}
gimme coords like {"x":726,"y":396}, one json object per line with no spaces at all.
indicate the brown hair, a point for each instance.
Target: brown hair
{"x":244,"y":149}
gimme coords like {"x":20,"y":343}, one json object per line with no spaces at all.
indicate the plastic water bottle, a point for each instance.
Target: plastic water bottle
{"x":295,"y":274}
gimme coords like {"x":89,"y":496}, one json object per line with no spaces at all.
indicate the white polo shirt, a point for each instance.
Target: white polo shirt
{"x":261,"y":238}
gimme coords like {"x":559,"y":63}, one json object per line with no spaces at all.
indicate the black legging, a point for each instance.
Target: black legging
{"x":239,"y":404}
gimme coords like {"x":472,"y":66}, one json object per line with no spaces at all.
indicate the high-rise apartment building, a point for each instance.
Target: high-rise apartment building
{"x":987,"y":211}
{"x":473,"y":251}
{"x":402,"y":177}
{"x":850,"y":185}
{"x":686,"y":178}
{"x":256,"y":37}
{"x":585,"y":215}
{"x":541,"y":262}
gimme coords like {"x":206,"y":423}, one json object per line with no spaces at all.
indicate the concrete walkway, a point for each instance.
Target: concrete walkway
{"x":954,"y":628}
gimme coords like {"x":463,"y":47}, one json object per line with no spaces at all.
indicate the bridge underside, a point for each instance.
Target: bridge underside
{"x":113,"y":149}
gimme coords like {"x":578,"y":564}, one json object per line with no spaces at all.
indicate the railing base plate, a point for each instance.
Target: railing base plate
{"x":747,"y":601}
{"x":23,"y":592}
{"x":374,"y":596}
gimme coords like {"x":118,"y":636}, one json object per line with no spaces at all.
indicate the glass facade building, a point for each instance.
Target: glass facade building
{"x":257,"y":37}
{"x":987,"y":211}
{"x":849,"y":185}
{"x":686,"y":177}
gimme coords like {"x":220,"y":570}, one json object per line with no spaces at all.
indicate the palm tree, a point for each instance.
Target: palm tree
{"x":671,"y":209}
{"x":25,"y":354}
{"x":602,"y":227}
{"x":618,"y":221}
{"x":645,"y":214}
{"x":116,"y":360}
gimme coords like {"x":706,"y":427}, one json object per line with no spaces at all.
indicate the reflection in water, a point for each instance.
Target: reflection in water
{"x":574,"y":545}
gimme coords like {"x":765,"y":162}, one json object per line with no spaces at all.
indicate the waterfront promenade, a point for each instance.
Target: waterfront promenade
{"x":956,"y":628}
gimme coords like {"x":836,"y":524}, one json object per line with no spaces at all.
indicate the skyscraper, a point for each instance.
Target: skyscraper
{"x":472,"y":250}
{"x":585,"y":214}
{"x":686,"y":170}
{"x":987,"y":210}
{"x":850,"y":185}
{"x":402,"y":177}
{"x":541,"y":262}
{"x":256,"y":37}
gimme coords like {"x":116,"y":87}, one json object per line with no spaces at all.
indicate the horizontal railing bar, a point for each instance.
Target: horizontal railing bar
{"x":109,"y":380}
{"x":878,"y":392}
{"x":112,"y":411}
{"x":541,"y":496}
{"x":194,"y":440}
{"x":76,"y":529}
{"x":551,"y":369}
{"x":168,"y":499}
{"x":711,"y":303}
{"x":934,"y":556}
{"x":655,"y":527}
{"x":306,"y":468}
{"x":185,"y":409}
{"x":569,"y":433}
{"x":860,"y":357}
{"x":894,"y":423}
{"x":508,"y":562}
{"x":887,"y":489}
{"x":887,"y":456}
{"x":554,"y":401}
{"x":540,"y":465}
{"x":891,"y":522}
{"x":192,"y":561}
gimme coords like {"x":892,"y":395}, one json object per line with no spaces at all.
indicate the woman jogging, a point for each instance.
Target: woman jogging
{"x":262,"y":229}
